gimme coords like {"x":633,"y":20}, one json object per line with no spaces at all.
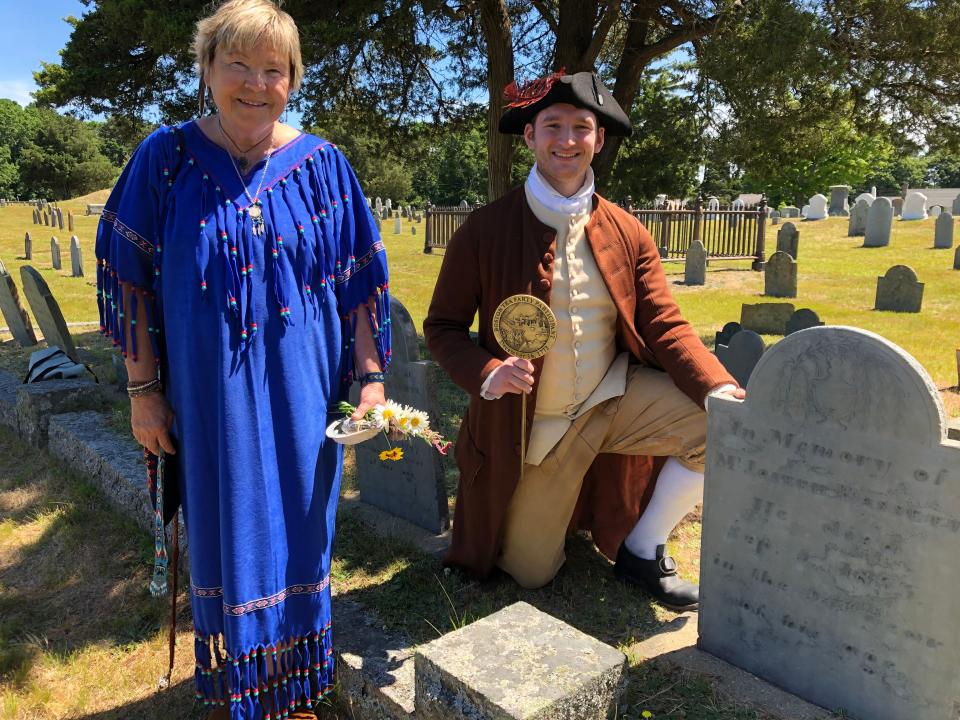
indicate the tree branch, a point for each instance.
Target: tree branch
{"x":547,"y":15}
{"x":681,"y":34}
{"x":607,"y":20}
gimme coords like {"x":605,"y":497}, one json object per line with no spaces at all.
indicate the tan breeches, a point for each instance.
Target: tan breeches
{"x":652,"y":417}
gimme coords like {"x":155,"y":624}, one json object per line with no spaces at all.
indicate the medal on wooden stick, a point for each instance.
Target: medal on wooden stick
{"x":525,"y":327}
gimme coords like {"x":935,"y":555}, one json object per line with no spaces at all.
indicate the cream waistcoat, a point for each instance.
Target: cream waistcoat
{"x":582,"y":369}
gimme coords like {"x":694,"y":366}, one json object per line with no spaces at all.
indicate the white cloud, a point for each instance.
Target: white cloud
{"x":17,"y":90}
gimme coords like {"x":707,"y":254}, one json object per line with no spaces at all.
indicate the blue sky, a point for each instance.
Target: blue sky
{"x":31,"y":33}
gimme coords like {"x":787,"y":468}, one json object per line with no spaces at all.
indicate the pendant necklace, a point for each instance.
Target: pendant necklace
{"x":242,"y":160}
{"x":255,"y":209}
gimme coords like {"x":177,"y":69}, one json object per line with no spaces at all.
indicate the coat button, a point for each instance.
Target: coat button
{"x":544,"y":284}
{"x":548,"y":238}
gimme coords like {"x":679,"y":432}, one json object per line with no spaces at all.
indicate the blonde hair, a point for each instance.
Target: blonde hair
{"x":241,"y":24}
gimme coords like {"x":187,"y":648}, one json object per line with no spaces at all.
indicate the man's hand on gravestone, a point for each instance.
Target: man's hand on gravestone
{"x":514,"y":376}
{"x":151,"y":419}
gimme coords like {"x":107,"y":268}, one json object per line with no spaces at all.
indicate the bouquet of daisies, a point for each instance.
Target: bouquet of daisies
{"x":396,"y":421}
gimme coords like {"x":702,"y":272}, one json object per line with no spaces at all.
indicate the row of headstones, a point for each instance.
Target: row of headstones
{"x":76,"y":255}
{"x":778,"y":281}
{"x":53,"y":218}
{"x":44,"y":306}
{"x":872,"y":219}
{"x":384,"y":210}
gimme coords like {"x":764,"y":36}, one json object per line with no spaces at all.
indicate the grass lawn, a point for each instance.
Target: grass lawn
{"x":81,"y":638}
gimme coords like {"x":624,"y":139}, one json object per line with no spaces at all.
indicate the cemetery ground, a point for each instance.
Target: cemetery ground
{"x":81,"y":638}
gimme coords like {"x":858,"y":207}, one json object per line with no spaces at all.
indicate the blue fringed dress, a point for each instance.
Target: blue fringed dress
{"x":255,"y":338}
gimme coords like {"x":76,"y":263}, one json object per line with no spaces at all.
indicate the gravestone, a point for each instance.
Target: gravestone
{"x":956,"y":259}
{"x":741,"y":355}
{"x":774,"y":217}
{"x":728,"y":331}
{"x":857,"y":226}
{"x":27,"y":247}
{"x":737,"y":207}
{"x":780,"y":276}
{"x":46,"y":219}
{"x":378,"y":222}
{"x":935,"y":211}
{"x":899,"y":291}
{"x":76,"y":259}
{"x":839,"y":207}
{"x":60,"y":218}
{"x":914,"y":206}
{"x":46,"y":311}
{"x":818,"y":207}
{"x":879,"y":223}
{"x":788,"y":239}
{"x":766,"y":318}
{"x":869,"y":197}
{"x":695,"y":264}
{"x":831,"y":521}
{"x":943,"y":232}
{"x":804,"y":211}
{"x":14,"y":314}
{"x":897,"y":203}
{"x":956,"y":205}
{"x":801,"y":320}
{"x":36,"y":216}
{"x":397,"y":226}
{"x":413,"y":230}
{"x":388,"y":204}
{"x":713,"y":205}
{"x":70,"y":226}
{"x":55,"y":253}
{"x":413,"y":488}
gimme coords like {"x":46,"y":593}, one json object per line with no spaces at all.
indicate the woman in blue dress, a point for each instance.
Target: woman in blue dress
{"x":241,"y":274}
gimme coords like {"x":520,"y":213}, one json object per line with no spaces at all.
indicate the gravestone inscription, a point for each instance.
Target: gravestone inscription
{"x":780,"y":276}
{"x":899,"y":291}
{"x":695,"y":264}
{"x":413,"y":488}
{"x":830,"y":527}
{"x":14,"y":313}
{"x":46,"y":311}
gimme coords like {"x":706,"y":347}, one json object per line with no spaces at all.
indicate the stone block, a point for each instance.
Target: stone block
{"x":37,"y":402}
{"x":9,"y":384}
{"x":766,"y":318}
{"x":15,"y":315}
{"x":517,"y":663}
{"x":830,"y":529}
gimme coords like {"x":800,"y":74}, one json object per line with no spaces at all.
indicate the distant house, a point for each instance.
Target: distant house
{"x":943,"y":197}
{"x":750,"y":199}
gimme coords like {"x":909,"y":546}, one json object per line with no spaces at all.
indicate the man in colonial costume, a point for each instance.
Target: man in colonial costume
{"x":619,"y":398}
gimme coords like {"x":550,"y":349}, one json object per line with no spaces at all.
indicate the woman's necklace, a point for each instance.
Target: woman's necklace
{"x":242,"y":159}
{"x":255,"y":208}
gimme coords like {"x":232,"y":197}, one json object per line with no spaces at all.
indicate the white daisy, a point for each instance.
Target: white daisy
{"x":419,"y":423}
{"x":383,"y":415}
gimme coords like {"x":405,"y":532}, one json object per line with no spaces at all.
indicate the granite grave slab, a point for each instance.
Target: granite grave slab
{"x":46,"y":311}
{"x":695,"y":264}
{"x":766,"y":318}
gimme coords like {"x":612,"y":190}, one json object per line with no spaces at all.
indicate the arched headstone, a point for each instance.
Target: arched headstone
{"x":857,"y":226}
{"x":817,"y":209}
{"x":780,"y":276}
{"x":695,"y":264}
{"x":741,"y":356}
{"x":943,"y":231}
{"x":879,"y":223}
{"x":914,"y":206}
{"x":899,"y":291}
{"x":801,"y":320}
{"x":788,"y":240}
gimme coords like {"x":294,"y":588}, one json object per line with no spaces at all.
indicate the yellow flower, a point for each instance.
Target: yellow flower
{"x":646,"y":714}
{"x":392,"y":454}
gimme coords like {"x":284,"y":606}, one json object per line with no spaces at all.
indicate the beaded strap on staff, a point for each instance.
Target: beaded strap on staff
{"x":158,"y":584}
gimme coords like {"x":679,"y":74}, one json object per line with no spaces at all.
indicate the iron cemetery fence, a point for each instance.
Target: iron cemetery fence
{"x":726,"y":233}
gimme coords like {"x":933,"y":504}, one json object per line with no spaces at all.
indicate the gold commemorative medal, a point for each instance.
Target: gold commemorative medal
{"x":525,"y":326}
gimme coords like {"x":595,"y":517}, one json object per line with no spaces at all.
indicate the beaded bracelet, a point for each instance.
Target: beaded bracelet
{"x":372,"y":377}
{"x":139,"y":389}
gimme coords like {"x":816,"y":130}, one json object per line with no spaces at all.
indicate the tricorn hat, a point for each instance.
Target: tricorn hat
{"x":582,"y":89}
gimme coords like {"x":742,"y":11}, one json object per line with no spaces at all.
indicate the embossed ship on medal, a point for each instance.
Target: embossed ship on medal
{"x":525,"y":327}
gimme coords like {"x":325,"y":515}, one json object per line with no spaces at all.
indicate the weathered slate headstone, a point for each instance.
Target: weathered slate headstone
{"x":801,"y":320}
{"x":956,"y":259}
{"x":766,"y":318}
{"x":517,"y":664}
{"x":27,"y":246}
{"x":857,"y":227}
{"x":413,"y":488}
{"x":741,"y":356}
{"x":59,"y":218}
{"x":36,"y":216}
{"x":780,"y":276}
{"x":70,"y":226}
{"x":831,"y":521}
{"x":46,"y":219}
{"x":943,"y":232}
{"x":818,"y":207}
{"x":55,"y":253}
{"x":839,"y":206}
{"x":879,"y":223}
{"x":695,"y":264}
{"x":899,"y":291}
{"x":788,"y":239}
{"x":46,"y":311}
{"x":14,"y":314}
{"x":76,"y":259}
{"x":914,"y":206}
{"x":726,"y":333}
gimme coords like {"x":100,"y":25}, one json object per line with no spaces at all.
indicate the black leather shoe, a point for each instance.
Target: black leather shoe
{"x":659,"y":578}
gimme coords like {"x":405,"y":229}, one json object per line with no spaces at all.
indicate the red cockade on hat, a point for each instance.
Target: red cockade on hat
{"x":530,"y":92}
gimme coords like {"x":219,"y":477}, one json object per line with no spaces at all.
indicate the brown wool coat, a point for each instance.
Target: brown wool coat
{"x":501,"y":250}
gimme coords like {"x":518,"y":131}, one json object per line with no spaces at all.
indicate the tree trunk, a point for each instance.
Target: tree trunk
{"x":495,"y":23}
{"x":575,"y":19}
